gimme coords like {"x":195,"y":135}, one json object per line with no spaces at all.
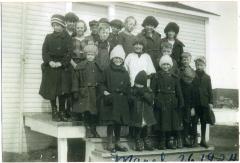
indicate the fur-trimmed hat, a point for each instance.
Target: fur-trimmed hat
{"x":59,"y":19}
{"x":141,"y":78}
{"x":166,"y":59}
{"x":166,"y":45}
{"x":70,"y":16}
{"x":186,"y":54}
{"x":172,"y":26}
{"x":150,"y":20}
{"x":200,"y":59}
{"x":93,"y":23}
{"x":117,"y":23}
{"x":118,"y":52}
{"x":91,"y":49}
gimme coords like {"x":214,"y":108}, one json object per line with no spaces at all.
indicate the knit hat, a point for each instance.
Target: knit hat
{"x":59,"y":19}
{"x":200,"y":59}
{"x":165,"y":59}
{"x":171,"y":26}
{"x":117,"y":52}
{"x":91,"y":49}
{"x":186,"y":54}
{"x":117,"y":23}
{"x":166,"y":45}
{"x":150,"y":20}
{"x":141,"y":78}
{"x":70,"y":16}
{"x":93,"y":23}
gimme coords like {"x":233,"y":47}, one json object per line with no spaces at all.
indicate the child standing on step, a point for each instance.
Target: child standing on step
{"x":85,"y":88}
{"x":115,"y":87}
{"x":142,"y":117}
{"x":202,"y":99}
{"x":168,"y":105}
{"x":126,"y":38}
{"x":56,"y":54}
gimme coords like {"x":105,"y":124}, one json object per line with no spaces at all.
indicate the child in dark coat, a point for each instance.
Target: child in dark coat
{"x":93,"y":37}
{"x":116,"y":26}
{"x":171,"y":31}
{"x":168,"y":104}
{"x":142,"y":116}
{"x":85,"y":88}
{"x":56,"y":71}
{"x":202,"y":98}
{"x":115,"y":88}
{"x":187,"y":75}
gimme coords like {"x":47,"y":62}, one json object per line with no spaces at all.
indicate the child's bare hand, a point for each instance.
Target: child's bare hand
{"x":193,"y":113}
{"x":106,"y":93}
{"x":52,"y":64}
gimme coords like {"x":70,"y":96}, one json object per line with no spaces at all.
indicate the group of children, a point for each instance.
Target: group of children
{"x":115,"y":78}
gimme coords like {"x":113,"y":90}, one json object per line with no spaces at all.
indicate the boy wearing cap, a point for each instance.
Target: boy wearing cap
{"x":85,"y":88}
{"x":168,"y":103}
{"x":126,"y":37}
{"x":151,"y":38}
{"x":202,"y":98}
{"x":71,"y":20}
{"x":171,"y":31}
{"x":142,"y":117}
{"x":116,"y":26}
{"x":115,"y":87}
{"x":187,"y":74}
{"x":56,"y":76}
{"x":93,"y":37}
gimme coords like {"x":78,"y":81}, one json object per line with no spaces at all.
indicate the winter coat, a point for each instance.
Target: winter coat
{"x":127,"y":41}
{"x":56,"y":81}
{"x":177,"y":50}
{"x":86,"y":86}
{"x":168,"y":101}
{"x":202,"y":90}
{"x":187,"y":88}
{"x":152,"y":46}
{"x":135,"y":63}
{"x":103,"y":57}
{"x":114,"y":107}
{"x":141,"y":110}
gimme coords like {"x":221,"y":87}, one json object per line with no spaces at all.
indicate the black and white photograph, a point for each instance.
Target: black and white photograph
{"x":119,"y":81}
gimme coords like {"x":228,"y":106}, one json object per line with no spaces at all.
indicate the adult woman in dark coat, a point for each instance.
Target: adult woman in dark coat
{"x":56,"y":80}
{"x":152,"y":39}
{"x":171,"y":31}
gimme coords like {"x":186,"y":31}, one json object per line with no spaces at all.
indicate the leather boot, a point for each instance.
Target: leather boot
{"x":55,"y":116}
{"x":148,"y":144}
{"x":110,"y":145}
{"x":139,"y":144}
{"x":171,"y":144}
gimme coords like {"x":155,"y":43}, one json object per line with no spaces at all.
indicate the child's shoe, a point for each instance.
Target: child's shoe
{"x":194,"y":141}
{"x":171,"y":144}
{"x":139,"y":145}
{"x":63,"y":116}
{"x":94,"y":132}
{"x":187,"y":142}
{"x":203,"y":143}
{"x":120,"y":147}
{"x":55,"y":116}
{"x":162,"y":144}
{"x":148,"y":144}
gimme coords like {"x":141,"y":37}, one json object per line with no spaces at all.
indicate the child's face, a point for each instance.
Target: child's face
{"x":171,"y":34}
{"x":117,"y":61}
{"x":90,"y":57}
{"x":166,"y":67}
{"x":138,"y":48}
{"x":70,"y":25}
{"x":200,"y":66}
{"x":104,"y":33}
{"x":80,"y":28}
{"x":166,"y":51}
{"x":94,"y":29}
{"x":115,"y":30}
{"x":57,"y":27}
{"x":130,"y":25}
{"x":149,"y":28}
{"x":186,"y":61}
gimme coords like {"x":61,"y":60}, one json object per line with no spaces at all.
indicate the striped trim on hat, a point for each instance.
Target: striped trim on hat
{"x":57,"y":20}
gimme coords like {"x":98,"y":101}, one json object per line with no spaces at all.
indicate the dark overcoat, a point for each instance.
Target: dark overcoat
{"x":114,"y":107}
{"x":177,"y":50}
{"x":141,"y":107}
{"x":113,"y":40}
{"x":56,"y":81}
{"x":86,"y":83}
{"x":152,"y":46}
{"x":168,"y":101}
{"x":103,"y":57}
